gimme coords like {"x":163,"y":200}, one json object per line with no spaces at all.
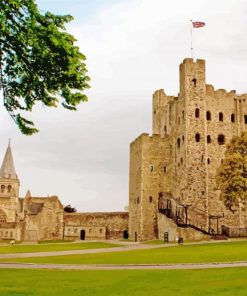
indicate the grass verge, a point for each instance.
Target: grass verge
{"x":54,"y":247}
{"x":227,"y":282}
{"x":204,"y":253}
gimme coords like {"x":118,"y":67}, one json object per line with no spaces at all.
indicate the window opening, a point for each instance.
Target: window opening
{"x":221,"y":116}
{"x":208,"y":115}
{"x":197,"y":112}
{"x":194,"y":82}
{"x":197,"y":137}
{"x":2,"y":188}
{"x":208,"y":139}
{"x":233,"y":117}
{"x":221,"y":139}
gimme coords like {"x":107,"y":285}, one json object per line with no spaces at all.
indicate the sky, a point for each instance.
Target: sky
{"x":133,"y":47}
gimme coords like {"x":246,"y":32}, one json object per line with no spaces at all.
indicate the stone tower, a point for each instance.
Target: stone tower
{"x":9,"y":188}
{"x":179,"y":162}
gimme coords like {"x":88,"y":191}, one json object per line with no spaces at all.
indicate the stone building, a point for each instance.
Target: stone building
{"x":43,"y":218}
{"x":172,"y":185}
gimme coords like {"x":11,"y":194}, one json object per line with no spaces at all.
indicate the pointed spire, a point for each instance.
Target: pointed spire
{"x":28,"y":194}
{"x":8,"y":169}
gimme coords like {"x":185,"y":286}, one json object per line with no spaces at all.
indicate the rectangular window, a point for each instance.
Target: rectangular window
{"x":245,"y":119}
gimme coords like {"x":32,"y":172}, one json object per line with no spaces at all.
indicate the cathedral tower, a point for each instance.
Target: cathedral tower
{"x":9,"y":187}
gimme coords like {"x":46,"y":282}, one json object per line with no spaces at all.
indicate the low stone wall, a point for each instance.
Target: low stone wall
{"x":188,"y":234}
{"x":100,"y":225}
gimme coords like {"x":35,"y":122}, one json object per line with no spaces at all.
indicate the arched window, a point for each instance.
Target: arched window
{"x":2,"y":188}
{"x":194,"y":82}
{"x":197,"y":112}
{"x":150,"y":199}
{"x":208,"y":115}
{"x":221,"y":116}
{"x":151,"y":168}
{"x":9,"y":188}
{"x":165,"y":129}
{"x":3,"y":217}
{"x":181,"y":160}
{"x":183,"y":114}
{"x":138,"y":200}
{"x":233,"y":117}
{"x":197,"y":137}
{"x":208,"y":160}
{"x":208,"y":139}
{"x":221,"y":139}
{"x":178,"y":142}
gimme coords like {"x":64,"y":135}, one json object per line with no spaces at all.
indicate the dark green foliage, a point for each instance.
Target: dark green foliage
{"x":39,"y":61}
{"x":69,"y":209}
{"x":232,"y":174}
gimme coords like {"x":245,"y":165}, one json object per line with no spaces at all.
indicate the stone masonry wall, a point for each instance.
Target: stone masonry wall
{"x":149,"y":159}
{"x":96,"y":225}
{"x":195,"y":126}
{"x":45,"y":223}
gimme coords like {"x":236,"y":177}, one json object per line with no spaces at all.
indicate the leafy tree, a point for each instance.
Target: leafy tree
{"x":39,"y":61}
{"x":69,"y":209}
{"x":232,"y":174}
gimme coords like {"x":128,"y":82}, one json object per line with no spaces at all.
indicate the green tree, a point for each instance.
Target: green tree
{"x":232,"y":174}
{"x":39,"y":61}
{"x":69,"y":209}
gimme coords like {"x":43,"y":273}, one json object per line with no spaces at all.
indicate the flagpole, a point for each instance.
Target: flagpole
{"x":191,"y":40}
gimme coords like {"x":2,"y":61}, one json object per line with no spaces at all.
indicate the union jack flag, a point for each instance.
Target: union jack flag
{"x":198,"y":24}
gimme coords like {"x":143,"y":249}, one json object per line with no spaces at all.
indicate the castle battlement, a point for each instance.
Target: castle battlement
{"x":190,"y":134}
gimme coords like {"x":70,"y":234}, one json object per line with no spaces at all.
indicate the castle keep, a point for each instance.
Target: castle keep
{"x":172,"y":185}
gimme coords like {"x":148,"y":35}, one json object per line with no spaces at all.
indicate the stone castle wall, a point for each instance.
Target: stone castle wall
{"x":111,"y":225}
{"x":43,"y":219}
{"x":195,"y":128}
{"x":149,"y":166}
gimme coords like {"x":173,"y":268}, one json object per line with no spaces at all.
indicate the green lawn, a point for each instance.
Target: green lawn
{"x":227,"y":282}
{"x":220,"y":252}
{"x":54,"y":247}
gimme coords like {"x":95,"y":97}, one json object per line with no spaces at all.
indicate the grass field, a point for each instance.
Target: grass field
{"x":54,"y":247}
{"x":220,"y":252}
{"x":227,"y":282}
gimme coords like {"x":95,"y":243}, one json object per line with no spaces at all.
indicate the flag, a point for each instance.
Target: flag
{"x":198,"y":24}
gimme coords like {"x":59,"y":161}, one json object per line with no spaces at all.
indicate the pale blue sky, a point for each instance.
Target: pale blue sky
{"x":79,"y":9}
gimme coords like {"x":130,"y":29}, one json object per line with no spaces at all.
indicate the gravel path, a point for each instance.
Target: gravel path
{"x":119,"y":266}
{"x":85,"y":251}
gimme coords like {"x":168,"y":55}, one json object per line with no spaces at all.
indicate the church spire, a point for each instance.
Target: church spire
{"x":8,"y":169}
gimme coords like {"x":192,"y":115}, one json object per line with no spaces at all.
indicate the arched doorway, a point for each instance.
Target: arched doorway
{"x":83,"y":234}
{"x":125,"y":234}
